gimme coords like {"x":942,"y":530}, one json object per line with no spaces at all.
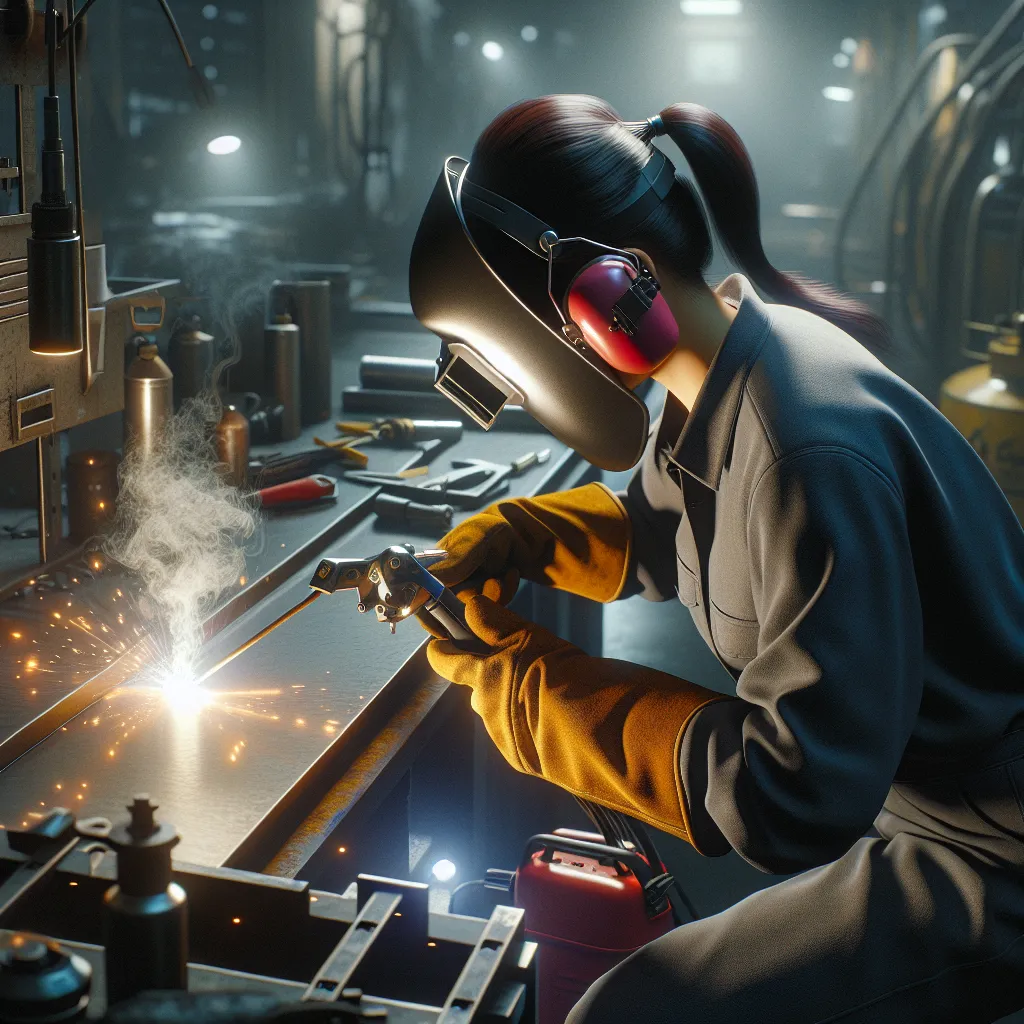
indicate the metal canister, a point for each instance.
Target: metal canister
{"x":190,"y":357}
{"x":308,"y":303}
{"x":283,"y":362}
{"x":232,"y":440}
{"x":148,"y":399}
{"x":92,"y":492}
{"x":986,"y":404}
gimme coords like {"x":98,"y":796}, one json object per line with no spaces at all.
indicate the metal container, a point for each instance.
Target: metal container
{"x":308,"y":303}
{"x":397,"y":373}
{"x":986,"y":404}
{"x":284,"y":365}
{"x":148,"y":400}
{"x":92,"y":492}
{"x":190,"y":357}
{"x":232,"y":439}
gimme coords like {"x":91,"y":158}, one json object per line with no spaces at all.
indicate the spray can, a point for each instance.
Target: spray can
{"x":148,"y":399}
{"x":283,"y":360}
{"x":190,"y":357}
{"x":232,"y":439}
{"x":145,"y":930}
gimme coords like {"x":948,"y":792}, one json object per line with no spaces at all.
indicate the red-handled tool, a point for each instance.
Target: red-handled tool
{"x":308,"y":490}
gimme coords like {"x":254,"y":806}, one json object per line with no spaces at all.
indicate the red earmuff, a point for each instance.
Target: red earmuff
{"x":635,"y":348}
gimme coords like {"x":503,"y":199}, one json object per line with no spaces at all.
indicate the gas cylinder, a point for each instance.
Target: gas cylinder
{"x":190,"y":355}
{"x":148,"y":399}
{"x":232,"y":441}
{"x":986,"y":404}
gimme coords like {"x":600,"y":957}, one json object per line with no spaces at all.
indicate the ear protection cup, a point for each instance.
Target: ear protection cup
{"x":593,"y":293}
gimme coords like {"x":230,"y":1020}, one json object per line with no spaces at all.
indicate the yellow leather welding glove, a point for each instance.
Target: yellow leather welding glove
{"x":605,"y":730}
{"x":575,"y":540}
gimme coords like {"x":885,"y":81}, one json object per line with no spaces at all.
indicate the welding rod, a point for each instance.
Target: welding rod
{"x":255,"y":638}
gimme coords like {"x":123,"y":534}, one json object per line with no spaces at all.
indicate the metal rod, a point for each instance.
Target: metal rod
{"x":87,"y":368}
{"x":44,"y":494}
{"x":19,"y":149}
{"x":259,"y":636}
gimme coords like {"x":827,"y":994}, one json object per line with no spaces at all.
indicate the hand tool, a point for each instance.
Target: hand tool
{"x":308,"y":490}
{"x":470,"y":483}
{"x":436,"y":518}
{"x":399,"y":430}
{"x":279,"y":469}
{"x":397,"y":584}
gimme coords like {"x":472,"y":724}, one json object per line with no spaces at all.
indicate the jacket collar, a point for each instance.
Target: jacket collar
{"x":702,"y":445}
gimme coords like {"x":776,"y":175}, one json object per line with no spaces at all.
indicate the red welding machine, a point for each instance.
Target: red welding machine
{"x":588,"y":906}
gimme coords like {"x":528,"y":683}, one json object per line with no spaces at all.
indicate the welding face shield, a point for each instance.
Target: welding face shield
{"x":484,"y":277}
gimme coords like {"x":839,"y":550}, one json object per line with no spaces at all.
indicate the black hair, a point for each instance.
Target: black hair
{"x":571,"y":160}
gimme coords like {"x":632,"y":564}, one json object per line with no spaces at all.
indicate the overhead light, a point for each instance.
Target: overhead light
{"x":838,"y":93}
{"x":712,"y":8}
{"x":841,"y":60}
{"x":934,"y":14}
{"x":809,"y":210}
{"x":210,"y":12}
{"x":878,"y":288}
{"x":444,"y":870}
{"x":849,"y":46}
{"x":1001,"y":153}
{"x":223,"y":145}
{"x":529,"y":33}
{"x":965,"y":92}
{"x":461,"y":39}
{"x":492,"y":50}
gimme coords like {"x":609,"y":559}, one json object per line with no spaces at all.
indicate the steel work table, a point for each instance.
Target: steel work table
{"x":296,"y":729}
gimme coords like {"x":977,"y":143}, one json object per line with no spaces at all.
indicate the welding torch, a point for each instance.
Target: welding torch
{"x":395,"y":584}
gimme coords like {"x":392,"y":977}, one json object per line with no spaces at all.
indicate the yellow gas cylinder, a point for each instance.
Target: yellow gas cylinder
{"x":986,"y":404}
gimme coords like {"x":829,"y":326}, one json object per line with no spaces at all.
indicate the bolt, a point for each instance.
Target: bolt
{"x":351,"y":574}
{"x":142,"y":824}
{"x":29,"y":953}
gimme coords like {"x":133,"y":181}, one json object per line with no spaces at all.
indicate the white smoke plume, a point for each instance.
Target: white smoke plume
{"x":181,"y":529}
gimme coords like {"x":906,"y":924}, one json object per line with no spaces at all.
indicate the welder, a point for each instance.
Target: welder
{"x":841,"y":548}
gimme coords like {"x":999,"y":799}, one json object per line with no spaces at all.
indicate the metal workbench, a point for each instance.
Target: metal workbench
{"x":320,"y":717}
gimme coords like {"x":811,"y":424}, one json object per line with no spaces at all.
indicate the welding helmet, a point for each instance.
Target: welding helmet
{"x":547,"y":323}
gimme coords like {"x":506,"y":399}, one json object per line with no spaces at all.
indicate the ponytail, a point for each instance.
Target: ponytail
{"x":724,"y":173}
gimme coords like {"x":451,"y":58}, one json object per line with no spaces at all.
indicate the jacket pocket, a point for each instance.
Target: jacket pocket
{"x":686,"y":587}
{"x":735,"y":638}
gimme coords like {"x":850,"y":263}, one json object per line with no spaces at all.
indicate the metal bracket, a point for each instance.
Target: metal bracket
{"x":463,"y":1004}
{"x":33,"y":415}
{"x":333,"y":978}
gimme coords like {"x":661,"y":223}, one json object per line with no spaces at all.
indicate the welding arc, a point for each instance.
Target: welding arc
{"x":259,"y":636}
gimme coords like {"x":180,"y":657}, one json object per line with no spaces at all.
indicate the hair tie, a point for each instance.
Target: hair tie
{"x":656,"y":126}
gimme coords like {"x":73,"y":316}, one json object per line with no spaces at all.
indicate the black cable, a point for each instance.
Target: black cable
{"x":976,"y":111}
{"x":937,"y":225}
{"x":460,"y":888}
{"x":928,"y":57}
{"x":990,"y":41}
{"x":168,"y":13}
